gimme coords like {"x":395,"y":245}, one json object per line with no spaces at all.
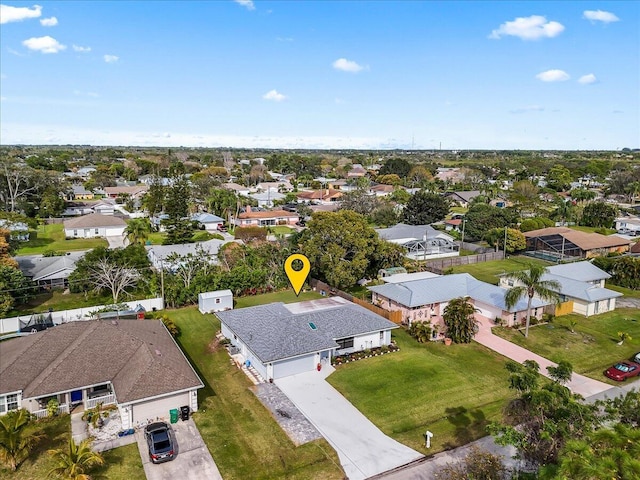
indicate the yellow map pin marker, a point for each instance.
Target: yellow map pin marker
{"x":297,"y":277}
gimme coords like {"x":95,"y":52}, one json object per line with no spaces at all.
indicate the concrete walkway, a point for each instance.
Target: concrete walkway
{"x":580,"y":384}
{"x":363,"y":449}
{"x":78,"y":427}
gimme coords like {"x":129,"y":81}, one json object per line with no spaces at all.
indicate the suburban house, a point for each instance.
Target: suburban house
{"x":279,"y":340}
{"x":104,"y":207}
{"x":158,"y":254}
{"x":420,"y":241}
{"x":94,"y":225}
{"x":281,"y":186}
{"x":238,"y":189}
{"x":382,"y":190}
{"x":356,"y":171}
{"x":49,"y":271}
{"x":17,"y":230}
{"x":266,"y":199}
{"x":462,"y":198}
{"x":448,"y":174}
{"x":209,"y":221}
{"x":132,"y":191}
{"x":453,"y":224}
{"x":324,"y":195}
{"x":628,"y":225}
{"x":581,"y":284}
{"x":553,"y":243}
{"x":134,"y":364}
{"x":216,"y":301}
{"x":425,"y":299}
{"x":78,"y":192}
{"x":265,"y":218}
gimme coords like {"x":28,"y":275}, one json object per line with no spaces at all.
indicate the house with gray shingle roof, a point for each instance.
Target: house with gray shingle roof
{"x":50,"y":271}
{"x":279,"y":340}
{"x":425,"y":299}
{"x":133,"y":364}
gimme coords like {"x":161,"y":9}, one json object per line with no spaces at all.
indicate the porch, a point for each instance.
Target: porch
{"x":78,"y":400}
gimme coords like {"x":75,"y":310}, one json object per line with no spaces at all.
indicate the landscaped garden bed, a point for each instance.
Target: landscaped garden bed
{"x":368,"y":353}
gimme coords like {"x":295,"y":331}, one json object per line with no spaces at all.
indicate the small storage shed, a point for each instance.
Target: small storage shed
{"x":217,"y":301}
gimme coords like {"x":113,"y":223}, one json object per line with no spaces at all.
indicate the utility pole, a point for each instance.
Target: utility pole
{"x":505,"y":242}
{"x":162,"y":281}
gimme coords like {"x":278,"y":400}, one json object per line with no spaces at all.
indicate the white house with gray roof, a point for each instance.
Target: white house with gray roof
{"x":279,"y":340}
{"x":425,"y":299}
{"x":158,"y":254}
{"x":420,"y":241}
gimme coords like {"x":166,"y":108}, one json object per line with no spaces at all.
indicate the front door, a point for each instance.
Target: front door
{"x":76,"y":396}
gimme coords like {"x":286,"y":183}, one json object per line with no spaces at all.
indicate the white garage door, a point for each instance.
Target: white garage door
{"x":293,"y":366}
{"x":158,"y":409}
{"x":488,"y":311}
{"x":113,"y":231}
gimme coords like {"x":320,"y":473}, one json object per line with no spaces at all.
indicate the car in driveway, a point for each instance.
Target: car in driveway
{"x":636,"y":358}
{"x":159,"y":442}
{"x":623,"y":370}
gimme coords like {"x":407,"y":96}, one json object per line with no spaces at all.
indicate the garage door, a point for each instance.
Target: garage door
{"x":158,"y":409}
{"x":114,"y":231}
{"x":488,"y":311}
{"x":293,"y":366}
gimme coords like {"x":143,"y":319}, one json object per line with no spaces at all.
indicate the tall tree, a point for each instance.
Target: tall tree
{"x":459,"y":318}
{"x":75,"y":461}
{"x":16,"y":440}
{"x":19,"y":181}
{"x":178,"y":225}
{"x":399,"y":166}
{"x":424,"y":208}
{"x":154,"y":199}
{"x":481,"y":218}
{"x":531,"y":284}
{"x":138,"y":230}
{"x":106,"y":275}
{"x":599,"y":214}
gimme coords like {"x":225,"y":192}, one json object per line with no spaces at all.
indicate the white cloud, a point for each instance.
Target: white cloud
{"x":78,"y":48}
{"x":587,"y":79}
{"x":49,"y":22}
{"x":553,"y":76}
{"x":44,"y":44}
{"x":528,"y":28}
{"x":111,"y":58}
{"x":527,"y":109}
{"x":248,"y":4}
{"x":600,"y":16}
{"x":274,"y":96}
{"x":347,"y":65}
{"x":17,"y":14}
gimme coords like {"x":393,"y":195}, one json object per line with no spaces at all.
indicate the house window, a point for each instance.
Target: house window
{"x":96,"y":231}
{"x":381,"y":336}
{"x":345,"y":343}
{"x":75,"y":233}
{"x":515,"y":316}
{"x":217,"y":300}
{"x":9,"y":402}
{"x":510,"y":283}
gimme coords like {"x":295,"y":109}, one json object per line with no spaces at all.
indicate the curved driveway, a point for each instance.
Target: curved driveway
{"x":363,"y":449}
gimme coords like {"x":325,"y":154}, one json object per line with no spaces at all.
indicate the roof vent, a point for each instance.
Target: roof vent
{"x":114,"y":322}
{"x":158,"y":352}
{"x":312,"y":326}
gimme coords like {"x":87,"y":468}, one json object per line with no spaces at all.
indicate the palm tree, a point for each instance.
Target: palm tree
{"x":532,"y":285}
{"x":459,"y":317}
{"x":138,"y":230}
{"x":15,"y":440}
{"x":96,"y":414}
{"x":73,"y":462}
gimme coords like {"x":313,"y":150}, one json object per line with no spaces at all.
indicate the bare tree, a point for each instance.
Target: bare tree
{"x":19,"y":182}
{"x":106,"y":275}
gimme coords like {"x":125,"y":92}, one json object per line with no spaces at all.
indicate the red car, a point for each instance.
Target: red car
{"x":623,"y":370}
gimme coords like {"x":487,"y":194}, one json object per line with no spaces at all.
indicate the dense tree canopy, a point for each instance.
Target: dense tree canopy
{"x":599,"y":214}
{"x":481,"y":218}
{"x":424,"y":208}
{"x":398,"y":166}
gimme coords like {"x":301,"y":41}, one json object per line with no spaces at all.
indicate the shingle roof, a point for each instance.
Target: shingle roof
{"x":47,"y":268}
{"x":207,"y":218}
{"x":139,"y":357}
{"x":585,"y":271}
{"x":417,"y":293}
{"x":584,"y":240}
{"x":465,"y":196}
{"x":210,"y":246}
{"x":273,"y":332}
{"x":403,"y":231}
{"x":94,"y":220}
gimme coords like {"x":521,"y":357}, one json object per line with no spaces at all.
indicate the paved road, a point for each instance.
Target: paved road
{"x":363,"y":449}
{"x":193,"y":461}
{"x":580,"y":384}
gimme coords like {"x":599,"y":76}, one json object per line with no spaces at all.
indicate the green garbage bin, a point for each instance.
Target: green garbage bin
{"x":173,"y":414}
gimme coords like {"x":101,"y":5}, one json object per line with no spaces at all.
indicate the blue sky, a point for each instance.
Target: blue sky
{"x":324,"y":74}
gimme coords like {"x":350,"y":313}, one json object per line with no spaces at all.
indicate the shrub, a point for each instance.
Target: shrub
{"x":174,"y":329}
{"x":52,"y":407}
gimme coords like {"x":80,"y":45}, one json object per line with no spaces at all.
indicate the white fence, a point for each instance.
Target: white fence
{"x":13,"y":324}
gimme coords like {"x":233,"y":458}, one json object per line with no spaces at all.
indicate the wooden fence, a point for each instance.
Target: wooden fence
{"x":326,"y":289}
{"x":442,"y":264}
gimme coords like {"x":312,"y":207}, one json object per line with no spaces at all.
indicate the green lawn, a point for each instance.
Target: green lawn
{"x":282,"y":230}
{"x":627,"y":292}
{"x":580,"y":228}
{"x":244,"y":439}
{"x":120,"y":464}
{"x":51,"y":237}
{"x":452,"y":391}
{"x":58,"y":301}
{"x":489,"y":271}
{"x":285,"y":296}
{"x":157,"y":238}
{"x":592,"y":349}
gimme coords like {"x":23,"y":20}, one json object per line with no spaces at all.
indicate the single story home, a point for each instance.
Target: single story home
{"x":581,"y":283}
{"x":136,"y":191}
{"x":133,"y":364}
{"x":266,"y":218}
{"x":628,"y":225}
{"x":216,"y":301}
{"x":420,"y":241}
{"x":49,"y":271}
{"x":280,"y":186}
{"x":425,"y":299}
{"x":94,"y":225}
{"x":209,"y":221}
{"x":462,"y":198}
{"x":323,"y":195}
{"x":78,"y":192}
{"x":564,"y":242}
{"x":266,"y":199}
{"x":238,"y":189}
{"x":18,"y":230}
{"x":158,"y":254}
{"x":280,"y":339}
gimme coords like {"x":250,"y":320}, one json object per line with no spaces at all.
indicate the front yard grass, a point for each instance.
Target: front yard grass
{"x":452,"y":391}
{"x":489,"y":271}
{"x":592,"y":349}
{"x":51,"y":238}
{"x":242,"y":436}
{"x":627,"y":292}
{"x":120,"y":464}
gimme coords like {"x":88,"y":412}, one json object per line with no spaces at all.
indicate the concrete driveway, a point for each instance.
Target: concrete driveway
{"x":363,"y":449}
{"x":116,"y":241}
{"x":193,"y":461}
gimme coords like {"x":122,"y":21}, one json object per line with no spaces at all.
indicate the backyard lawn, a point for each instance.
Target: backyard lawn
{"x":58,"y":300}
{"x":244,"y":439}
{"x":51,"y":238}
{"x":285,"y":296}
{"x":489,"y":271}
{"x":120,"y":464}
{"x":452,"y":391}
{"x":591,"y":349}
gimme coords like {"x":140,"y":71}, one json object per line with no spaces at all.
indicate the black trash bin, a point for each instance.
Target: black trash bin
{"x":184,"y":413}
